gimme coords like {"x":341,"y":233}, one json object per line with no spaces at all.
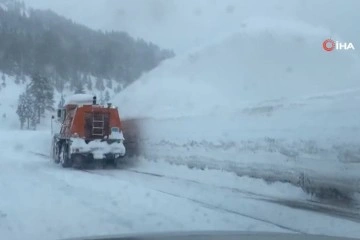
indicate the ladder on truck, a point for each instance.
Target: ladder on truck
{"x":98,"y":124}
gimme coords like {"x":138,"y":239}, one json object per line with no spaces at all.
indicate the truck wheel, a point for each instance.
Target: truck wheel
{"x":56,"y":153}
{"x":65,"y":159}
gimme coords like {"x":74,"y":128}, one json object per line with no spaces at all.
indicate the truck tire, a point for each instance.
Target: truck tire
{"x":65,"y":156}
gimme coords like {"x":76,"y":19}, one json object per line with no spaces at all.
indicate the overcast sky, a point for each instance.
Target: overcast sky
{"x":185,"y":24}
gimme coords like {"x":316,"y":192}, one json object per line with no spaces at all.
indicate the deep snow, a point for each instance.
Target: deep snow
{"x":265,"y":102}
{"x":45,"y":201}
{"x":9,"y":96}
{"x":268,"y":60}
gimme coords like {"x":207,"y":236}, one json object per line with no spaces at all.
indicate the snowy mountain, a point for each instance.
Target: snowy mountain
{"x":183,"y":25}
{"x":67,"y":52}
{"x":69,"y":55}
{"x":15,"y":6}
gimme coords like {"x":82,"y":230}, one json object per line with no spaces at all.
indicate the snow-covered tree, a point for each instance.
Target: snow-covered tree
{"x":107,"y":97}
{"x":17,"y":79}
{"x":42,"y":91}
{"x":61,"y":102}
{"x":109,"y":83}
{"x":102,"y":99}
{"x":89,"y":84}
{"x":79,"y":88}
{"x":99,"y":84}
{"x":21,"y":108}
{"x":3,"y":81}
{"x":23,"y":78}
{"x":118,"y":88}
{"x":26,"y":111}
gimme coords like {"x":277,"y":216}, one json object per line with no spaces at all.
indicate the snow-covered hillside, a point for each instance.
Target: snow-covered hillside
{"x":278,"y":60}
{"x":181,"y":25}
{"x":266,"y":101}
{"x":9,"y":96}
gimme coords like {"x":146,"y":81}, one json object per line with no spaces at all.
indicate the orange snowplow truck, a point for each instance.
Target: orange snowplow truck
{"x":89,"y":134}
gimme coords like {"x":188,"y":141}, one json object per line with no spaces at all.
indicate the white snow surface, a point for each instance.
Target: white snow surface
{"x":40,"y":200}
{"x":9,"y":96}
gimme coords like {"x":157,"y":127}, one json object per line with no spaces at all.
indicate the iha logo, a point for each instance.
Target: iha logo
{"x":329,"y":45}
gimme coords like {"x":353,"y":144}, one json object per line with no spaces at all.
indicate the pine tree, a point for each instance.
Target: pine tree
{"x":109,"y":84}
{"x":72,"y":85}
{"x":89,"y":84}
{"x":26,"y":110}
{"x":3,"y":81}
{"x":42,"y":91}
{"x":26,"y":47}
{"x":17,"y":79}
{"x":99,"y":85}
{"x":59,"y":83}
{"x":61,"y":102}
{"x":102,"y":99}
{"x":107,"y":97}
{"x":118,"y":88}
{"x":79,"y":88}
{"x":23,"y":78}
{"x":21,"y":110}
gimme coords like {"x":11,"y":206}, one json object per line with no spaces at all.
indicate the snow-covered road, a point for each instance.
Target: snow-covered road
{"x":40,"y":200}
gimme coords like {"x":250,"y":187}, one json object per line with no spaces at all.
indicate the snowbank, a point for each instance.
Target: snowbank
{"x":266,"y":60}
{"x":267,"y":101}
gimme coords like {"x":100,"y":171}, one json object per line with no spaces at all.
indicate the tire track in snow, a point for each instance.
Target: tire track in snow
{"x":349,"y":213}
{"x":88,"y":201}
{"x":204,"y":205}
{"x":211,"y":206}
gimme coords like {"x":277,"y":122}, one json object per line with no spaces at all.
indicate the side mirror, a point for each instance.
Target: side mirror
{"x":59,"y":113}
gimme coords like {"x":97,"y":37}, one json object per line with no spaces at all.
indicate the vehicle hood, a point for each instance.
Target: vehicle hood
{"x":216,"y":235}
